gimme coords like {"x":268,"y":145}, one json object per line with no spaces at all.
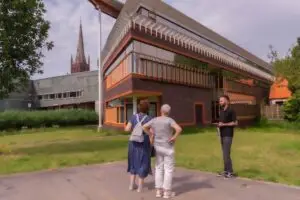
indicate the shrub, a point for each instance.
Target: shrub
{"x":49,"y":118}
{"x":291,"y":109}
{"x":270,"y":126}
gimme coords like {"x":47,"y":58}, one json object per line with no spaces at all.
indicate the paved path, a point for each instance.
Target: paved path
{"x":109,"y":182}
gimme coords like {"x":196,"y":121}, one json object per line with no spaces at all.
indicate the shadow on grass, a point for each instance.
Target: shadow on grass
{"x":250,"y":173}
{"x":258,"y":175}
{"x":74,"y":147}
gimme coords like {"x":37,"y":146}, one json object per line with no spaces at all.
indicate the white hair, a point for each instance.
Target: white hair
{"x":165,"y":109}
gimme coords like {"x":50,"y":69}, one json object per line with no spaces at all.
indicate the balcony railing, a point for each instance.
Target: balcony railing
{"x":167,"y":71}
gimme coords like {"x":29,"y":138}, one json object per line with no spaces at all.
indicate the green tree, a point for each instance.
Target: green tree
{"x":23,"y":39}
{"x":288,"y":67}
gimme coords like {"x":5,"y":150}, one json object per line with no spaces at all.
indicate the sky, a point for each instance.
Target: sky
{"x":253,"y":25}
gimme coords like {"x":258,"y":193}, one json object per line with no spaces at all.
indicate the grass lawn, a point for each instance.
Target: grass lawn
{"x":264,"y":154}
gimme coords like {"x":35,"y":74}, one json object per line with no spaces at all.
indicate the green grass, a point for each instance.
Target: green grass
{"x":258,"y":153}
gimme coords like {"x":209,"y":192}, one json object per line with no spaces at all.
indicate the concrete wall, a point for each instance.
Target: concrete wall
{"x":19,"y":100}
{"x":87,"y":82}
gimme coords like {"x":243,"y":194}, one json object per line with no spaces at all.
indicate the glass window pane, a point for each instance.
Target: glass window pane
{"x":72,"y":94}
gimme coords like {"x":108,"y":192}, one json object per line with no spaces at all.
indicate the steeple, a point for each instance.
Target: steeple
{"x":80,"y":56}
{"x":80,"y":64}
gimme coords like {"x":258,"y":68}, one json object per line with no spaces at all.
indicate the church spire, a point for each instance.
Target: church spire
{"x":80,"y":56}
{"x":80,"y":63}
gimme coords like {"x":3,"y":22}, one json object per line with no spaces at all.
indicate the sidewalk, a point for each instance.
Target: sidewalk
{"x":110,"y":182}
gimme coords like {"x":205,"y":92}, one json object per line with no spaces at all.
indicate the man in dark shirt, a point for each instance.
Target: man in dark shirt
{"x":227,"y":122}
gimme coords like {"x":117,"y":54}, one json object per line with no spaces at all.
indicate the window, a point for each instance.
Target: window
{"x":40,"y":97}
{"x":59,"y":95}
{"x":152,"y":110}
{"x":52,"y":96}
{"x":79,"y":94}
{"x":46,"y":96}
{"x":65,"y":95}
{"x":122,"y":114}
{"x":72,"y":94}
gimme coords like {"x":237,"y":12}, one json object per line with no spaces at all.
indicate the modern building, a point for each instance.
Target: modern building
{"x":76,"y":90}
{"x":279,"y":92}
{"x":157,"y":53}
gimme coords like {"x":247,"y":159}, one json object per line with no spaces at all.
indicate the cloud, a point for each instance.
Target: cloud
{"x":254,"y":25}
{"x":251,"y":24}
{"x":65,"y":18}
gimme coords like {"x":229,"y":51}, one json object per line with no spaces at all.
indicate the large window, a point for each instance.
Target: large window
{"x":64,"y":95}
{"x":120,"y":58}
{"x":114,"y":111}
{"x":119,"y":72}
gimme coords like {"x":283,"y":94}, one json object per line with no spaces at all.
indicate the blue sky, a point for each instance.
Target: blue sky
{"x":254,"y":25}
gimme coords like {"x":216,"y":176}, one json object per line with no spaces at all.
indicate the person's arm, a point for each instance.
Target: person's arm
{"x":151,"y":136}
{"x":235,"y":123}
{"x":128,"y":127}
{"x":147,"y":128}
{"x":177,"y":129}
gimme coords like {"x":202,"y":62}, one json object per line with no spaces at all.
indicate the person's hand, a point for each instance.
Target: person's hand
{"x":220,"y":124}
{"x":172,"y":140}
{"x":151,"y":140}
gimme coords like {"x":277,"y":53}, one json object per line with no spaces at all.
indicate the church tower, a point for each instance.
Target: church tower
{"x":80,"y":64}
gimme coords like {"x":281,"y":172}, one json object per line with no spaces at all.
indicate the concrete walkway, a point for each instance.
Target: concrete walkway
{"x":109,"y":182}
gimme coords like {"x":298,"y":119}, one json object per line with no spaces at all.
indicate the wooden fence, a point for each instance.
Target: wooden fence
{"x":272,"y":112}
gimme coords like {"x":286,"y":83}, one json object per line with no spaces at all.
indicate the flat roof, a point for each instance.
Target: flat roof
{"x":69,"y":75}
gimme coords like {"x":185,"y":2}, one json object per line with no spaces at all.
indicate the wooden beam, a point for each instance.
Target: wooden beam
{"x":109,"y":7}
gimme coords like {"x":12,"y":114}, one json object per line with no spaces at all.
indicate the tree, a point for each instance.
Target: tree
{"x":288,"y":67}
{"x":23,"y":38}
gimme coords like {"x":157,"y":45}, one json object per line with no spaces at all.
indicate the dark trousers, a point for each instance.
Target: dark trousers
{"x":226,"y":149}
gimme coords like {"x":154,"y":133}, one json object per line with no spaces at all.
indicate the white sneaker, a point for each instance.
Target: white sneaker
{"x":140,"y":189}
{"x":168,"y":194}
{"x":159,"y":193}
{"x":132,"y":187}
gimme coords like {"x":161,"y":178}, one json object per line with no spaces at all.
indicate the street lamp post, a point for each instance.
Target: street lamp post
{"x":100,"y":105}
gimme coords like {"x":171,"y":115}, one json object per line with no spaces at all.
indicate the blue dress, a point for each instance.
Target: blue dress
{"x":139,"y":154}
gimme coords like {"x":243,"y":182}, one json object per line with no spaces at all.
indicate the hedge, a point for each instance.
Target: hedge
{"x":47,"y":118}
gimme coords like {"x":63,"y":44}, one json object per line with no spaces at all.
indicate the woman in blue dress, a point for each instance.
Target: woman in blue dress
{"x":139,"y":153}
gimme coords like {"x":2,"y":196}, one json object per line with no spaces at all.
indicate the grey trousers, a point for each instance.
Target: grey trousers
{"x":226,"y":143}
